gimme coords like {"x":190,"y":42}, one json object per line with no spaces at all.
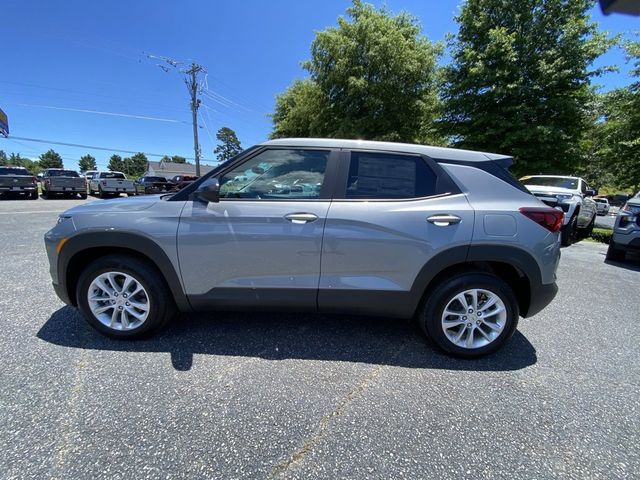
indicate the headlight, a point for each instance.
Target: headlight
{"x":563,"y":196}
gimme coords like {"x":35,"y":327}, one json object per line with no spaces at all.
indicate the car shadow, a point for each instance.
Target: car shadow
{"x":287,"y":336}
{"x":631,"y":263}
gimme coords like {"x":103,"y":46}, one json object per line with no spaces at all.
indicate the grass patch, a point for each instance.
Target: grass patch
{"x":602,"y":235}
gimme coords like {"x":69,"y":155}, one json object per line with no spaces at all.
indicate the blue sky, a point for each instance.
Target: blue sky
{"x":84,"y":55}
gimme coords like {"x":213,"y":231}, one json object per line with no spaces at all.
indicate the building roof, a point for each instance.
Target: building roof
{"x":170,"y":169}
{"x":433,"y":152}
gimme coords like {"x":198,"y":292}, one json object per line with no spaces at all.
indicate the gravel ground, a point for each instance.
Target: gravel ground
{"x":303,"y":396}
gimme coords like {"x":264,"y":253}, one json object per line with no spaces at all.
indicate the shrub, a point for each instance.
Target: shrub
{"x":602,"y":235}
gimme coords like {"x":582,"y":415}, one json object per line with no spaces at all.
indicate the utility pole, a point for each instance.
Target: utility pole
{"x":192,"y":86}
{"x":191,"y":80}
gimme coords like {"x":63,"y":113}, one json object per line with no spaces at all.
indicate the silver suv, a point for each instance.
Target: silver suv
{"x":626,"y":230}
{"x":446,"y":236}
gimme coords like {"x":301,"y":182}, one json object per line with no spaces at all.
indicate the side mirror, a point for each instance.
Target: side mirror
{"x":209,"y":191}
{"x":590,"y":192}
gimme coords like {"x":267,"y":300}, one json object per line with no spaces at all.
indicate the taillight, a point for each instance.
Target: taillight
{"x":34,"y":180}
{"x":104,"y":182}
{"x":549,"y":218}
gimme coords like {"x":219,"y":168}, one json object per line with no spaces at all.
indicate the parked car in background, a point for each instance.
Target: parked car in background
{"x":151,"y":184}
{"x":395,"y":229}
{"x":18,"y":181}
{"x":626,"y":230}
{"x":88,"y":175}
{"x":602,"y":206}
{"x":106,"y":184}
{"x":181,"y":181}
{"x":58,"y":181}
{"x":574,"y":197}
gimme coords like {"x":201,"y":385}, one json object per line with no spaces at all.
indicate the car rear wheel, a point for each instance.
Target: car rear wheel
{"x":614,"y":253}
{"x":124,"y":297}
{"x":470,"y":315}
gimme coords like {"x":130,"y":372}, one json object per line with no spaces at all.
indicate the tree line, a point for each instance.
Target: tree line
{"x":133,"y":166}
{"x":520,"y":81}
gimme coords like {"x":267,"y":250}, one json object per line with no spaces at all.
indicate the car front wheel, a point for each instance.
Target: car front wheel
{"x":470,"y":315}
{"x":124,"y":297}
{"x":568,"y":232}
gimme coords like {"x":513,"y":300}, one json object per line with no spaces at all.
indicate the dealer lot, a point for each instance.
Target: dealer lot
{"x":304,"y":396}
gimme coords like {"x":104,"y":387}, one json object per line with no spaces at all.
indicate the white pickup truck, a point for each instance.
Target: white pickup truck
{"x":105,"y":184}
{"x":573,"y":196}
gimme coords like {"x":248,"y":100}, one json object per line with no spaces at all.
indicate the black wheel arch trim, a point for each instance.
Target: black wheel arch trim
{"x":141,"y":244}
{"x":511,"y":255}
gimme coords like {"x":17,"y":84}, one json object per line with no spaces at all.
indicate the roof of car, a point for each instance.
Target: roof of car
{"x":433,"y":152}
{"x":551,"y":176}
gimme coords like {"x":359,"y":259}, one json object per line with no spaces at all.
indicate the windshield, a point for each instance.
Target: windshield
{"x":14,"y":171}
{"x":562,"y":182}
{"x":112,"y":175}
{"x":62,"y":173}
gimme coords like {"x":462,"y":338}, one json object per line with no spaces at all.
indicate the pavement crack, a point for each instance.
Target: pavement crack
{"x":321,"y":432}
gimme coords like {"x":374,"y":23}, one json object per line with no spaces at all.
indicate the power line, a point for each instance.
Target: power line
{"x":93,"y":147}
{"x":98,"y":112}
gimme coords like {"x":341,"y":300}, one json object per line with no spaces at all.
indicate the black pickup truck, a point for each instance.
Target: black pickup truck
{"x":153,"y":184}
{"x":18,"y":181}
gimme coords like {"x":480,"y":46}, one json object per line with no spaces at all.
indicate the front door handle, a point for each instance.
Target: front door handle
{"x":444,"y":220}
{"x":301,"y":218}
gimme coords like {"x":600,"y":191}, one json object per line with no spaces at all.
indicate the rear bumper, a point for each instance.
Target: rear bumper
{"x":541,"y":296}
{"x":118,"y":190}
{"x":30,"y":188}
{"x":54,"y":189}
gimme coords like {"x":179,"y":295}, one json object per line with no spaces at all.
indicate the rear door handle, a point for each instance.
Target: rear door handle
{"x":301,"y":218}
{"x":443,"y":220}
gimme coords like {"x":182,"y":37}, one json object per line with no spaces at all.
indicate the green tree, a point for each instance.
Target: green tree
{"x":136,"y":165}
{"x":372,"y":76}
{"x":115,"y":163}
{"x":15,"y":160}
{"x":50,"y":159}
{"x":229,"y":144}
{"x":173,"y":159}
{"x":87,"y":162}
{"x":615,"y":138}
{"x":519,"y":82}
{"x":3,"y":159}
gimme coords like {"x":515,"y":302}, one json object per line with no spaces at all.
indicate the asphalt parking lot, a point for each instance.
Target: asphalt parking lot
{"x":299,"y":396}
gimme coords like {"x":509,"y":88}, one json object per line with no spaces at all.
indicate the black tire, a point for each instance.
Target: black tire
{"x":101,"y":194}
{"x":614,"y":253}
{"x":431,"y":313}
{"x":588,"y":230}
{"x":568,"y":232}
{"x":33,"y":195}
{"x":45,"y":194}
{"x":161,"y":305}
{"x":83,"y":196}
